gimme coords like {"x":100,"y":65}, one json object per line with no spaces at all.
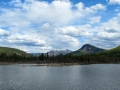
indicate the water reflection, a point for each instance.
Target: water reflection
{"x":78,"y":77}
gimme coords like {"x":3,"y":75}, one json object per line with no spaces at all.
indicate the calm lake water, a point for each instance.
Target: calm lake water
{"x":78,"y":77}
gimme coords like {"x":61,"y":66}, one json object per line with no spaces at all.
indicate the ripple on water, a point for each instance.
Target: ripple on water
{"x":79,"y":77}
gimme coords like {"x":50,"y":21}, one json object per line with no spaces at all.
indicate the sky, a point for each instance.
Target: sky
{"x":38,"y":26}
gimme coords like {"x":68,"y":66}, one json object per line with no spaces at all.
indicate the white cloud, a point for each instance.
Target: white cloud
{"x":65,"y":41}
{"x":4,"y":33}
{"x":107,"y":32}
{"x":56,"y":12}
{"x":38,"y":49}
{"x":95,"y":8}
{"x":114,"y":1}
{"x":25,"y":40}
{"x":118,"y":14}
{"x":98,"y":7}
{"x":80,"y":6}
{"x":93,"y":20}
{"x":42,"y":26}
{"x":83,"y":11}
{"x":79,"y":31}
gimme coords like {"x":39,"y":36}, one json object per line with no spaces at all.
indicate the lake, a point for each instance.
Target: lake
{"x":76,"y":77}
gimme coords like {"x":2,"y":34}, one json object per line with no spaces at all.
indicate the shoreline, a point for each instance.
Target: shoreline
{"x":49,"y":64}
{"x":58,"y":64}
{"x":41,"y":64}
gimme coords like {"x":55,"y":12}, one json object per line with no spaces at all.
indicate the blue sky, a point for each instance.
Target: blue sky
{"x":44,"y":25}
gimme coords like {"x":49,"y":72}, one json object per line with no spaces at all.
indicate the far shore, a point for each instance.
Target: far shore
{"x":40,"y":64}
{"x":48,"y":64}
{"x":58,"y":64}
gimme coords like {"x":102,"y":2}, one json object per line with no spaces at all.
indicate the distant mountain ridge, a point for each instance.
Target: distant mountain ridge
{"x":53,"y":52}
{"x":57,"y":52}
{"x":87,"y":48}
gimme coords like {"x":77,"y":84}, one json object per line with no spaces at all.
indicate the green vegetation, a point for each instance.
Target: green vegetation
{"x":14,"y":55}
{"x":96,"y":56}
{"x":10,"y":51}
{"x":105,"y":56}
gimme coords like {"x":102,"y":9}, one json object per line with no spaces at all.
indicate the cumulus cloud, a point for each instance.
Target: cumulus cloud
{"x":57,"y":12}
{"x":93,"y":20}
{"x":96,"y":7}
{"x":63,"y":41}
{"x":40,"y":26}
{"x":25,"y":40}
{"x":109,"y":32}
{"x":76,"y":31}
{"x":114,"y":1}
{"x":4,"y":32}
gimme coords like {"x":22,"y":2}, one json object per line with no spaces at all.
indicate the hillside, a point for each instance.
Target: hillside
{"x":87,"y":54}
{"x":115,"y":49}
{"x":10,"y":51}
{"x":87,"y":48}
{"x":112,"y":52}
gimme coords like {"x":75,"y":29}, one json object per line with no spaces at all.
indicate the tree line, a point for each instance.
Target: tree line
{"x":102,"y":57}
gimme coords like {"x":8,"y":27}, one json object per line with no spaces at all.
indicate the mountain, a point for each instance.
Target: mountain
{"x":10,"y":51}
{"x":57,"y":52}
{"x":53,"y":52}
{"x":35,"y":54}
{"x":87,"y":48}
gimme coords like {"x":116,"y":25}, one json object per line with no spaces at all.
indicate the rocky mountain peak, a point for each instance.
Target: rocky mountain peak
{"x":90,"y":48}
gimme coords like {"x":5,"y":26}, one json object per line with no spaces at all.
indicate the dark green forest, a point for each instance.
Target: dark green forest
{"x":108,"y":56}
{"x":103,"y":57}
